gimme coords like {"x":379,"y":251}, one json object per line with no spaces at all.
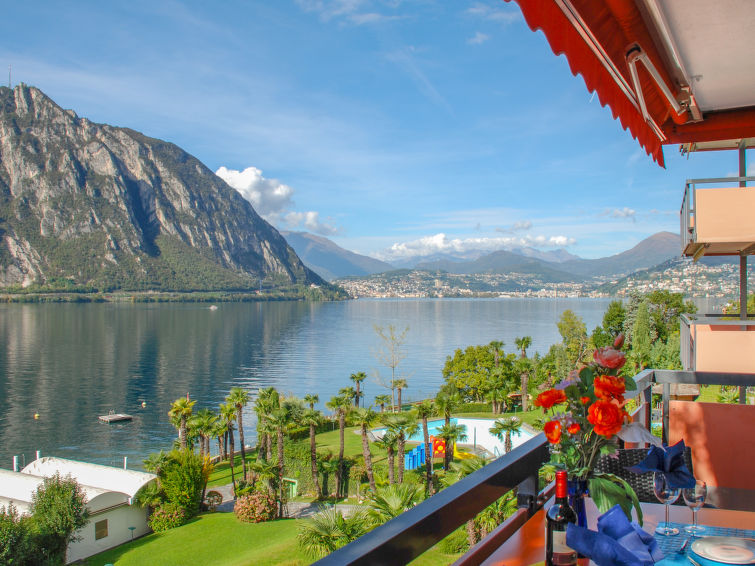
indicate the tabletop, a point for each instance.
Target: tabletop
{"x":527,"y":545}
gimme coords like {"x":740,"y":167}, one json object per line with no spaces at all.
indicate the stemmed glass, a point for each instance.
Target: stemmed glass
{"x":666,"y":495}
{"x":694,"y":497}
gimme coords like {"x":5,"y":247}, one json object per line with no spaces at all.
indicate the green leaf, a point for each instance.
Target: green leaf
{"x":608,"y":490}
{"x":607,"y":449}
{"x":630,"y":384}
{"x":587,"y":376}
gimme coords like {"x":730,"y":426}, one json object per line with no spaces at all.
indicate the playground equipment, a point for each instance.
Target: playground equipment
{"x":461,"y":454}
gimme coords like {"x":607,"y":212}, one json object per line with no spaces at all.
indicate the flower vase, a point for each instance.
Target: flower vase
{"x":577,"y":493}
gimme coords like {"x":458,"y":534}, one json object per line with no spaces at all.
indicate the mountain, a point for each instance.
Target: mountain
{"x":329,"y":260}
{"x":501,"y":262}
{"x":92,"y":206}
{"x":649,"y":252}
{"x":554,"y":256}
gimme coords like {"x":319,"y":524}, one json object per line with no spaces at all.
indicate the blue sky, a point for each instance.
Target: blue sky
{"x":394,"y":127}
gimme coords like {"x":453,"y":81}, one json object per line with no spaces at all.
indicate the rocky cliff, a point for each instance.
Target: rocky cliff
{"x":88,"y":205}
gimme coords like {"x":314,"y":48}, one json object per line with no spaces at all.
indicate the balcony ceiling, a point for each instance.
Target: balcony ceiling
{"x":672,"y":71}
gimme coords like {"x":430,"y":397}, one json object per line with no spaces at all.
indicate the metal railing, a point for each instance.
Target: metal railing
{"x":402,"y":539}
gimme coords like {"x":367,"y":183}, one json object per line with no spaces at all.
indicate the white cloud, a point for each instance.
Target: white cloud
{"x":625,"y":212}
{"x":440,"y":243}
{"x":493,"y":12}
{"x":478,"y":38}
{"x":518,"y":226}
{"x":354,"y":12}
{"x":273,"y":200}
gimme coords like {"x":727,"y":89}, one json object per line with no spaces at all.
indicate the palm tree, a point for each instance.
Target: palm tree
{"x":155,"y":462}
{"x":279,"y":419}
{"x":228,"y":415}
{"x":267,"y":472}
{"x":340,"y":406}
{"x":447,"y":403}
{"x":424,"y":410}
{"x":404,"y":425}
{"x":364,"y":419}
{"x":382,"y":400}
{"x":451,"y":433}
{"x":400,"y":384}
{"x":388,"y":441}
{"x":496,"y":513}
{"x":220,"y":431}
{"x":312,"y":418}
{"x":239,"y":398}
{"x":267,"y":400}
{"x":358,"y":378}
{"x":504,"y":428}
{"x":523,"y":343}
{"x":311,"y":399}
{"x":328,"y":466}
{"x":348,"y":392}
{"x":329,"y":530}
{"x":180,"y":411}
{"x":203,"y":424}
{"x":390,"y":501}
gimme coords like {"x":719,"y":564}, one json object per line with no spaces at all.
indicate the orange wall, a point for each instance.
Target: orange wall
{"x":724,"y":348}
{"x":722,"y":439}
{"x":725,"y":214}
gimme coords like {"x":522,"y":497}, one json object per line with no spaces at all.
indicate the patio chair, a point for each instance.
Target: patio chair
{"x":641,"y":483}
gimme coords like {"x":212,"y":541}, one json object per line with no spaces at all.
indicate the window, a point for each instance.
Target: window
{"x":100,"y":529}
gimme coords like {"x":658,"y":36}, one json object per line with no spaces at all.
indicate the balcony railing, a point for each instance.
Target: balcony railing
{"x":718,"y":221}
{"x":717,"y":342}
{"x":402,"y":539}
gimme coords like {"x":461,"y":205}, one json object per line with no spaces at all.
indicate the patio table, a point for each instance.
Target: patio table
{"x":527,"y":545}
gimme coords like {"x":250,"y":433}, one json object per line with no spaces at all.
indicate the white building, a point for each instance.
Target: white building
{"x":113,"y":519}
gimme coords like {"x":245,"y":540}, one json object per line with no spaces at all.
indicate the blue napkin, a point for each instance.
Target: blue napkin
{"x":670,"y":461}
{"x":617,"y":542}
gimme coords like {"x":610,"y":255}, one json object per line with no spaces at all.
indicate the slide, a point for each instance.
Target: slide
{"x":462,"y":455}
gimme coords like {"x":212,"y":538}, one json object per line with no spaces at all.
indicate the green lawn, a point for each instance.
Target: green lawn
{"x":213,"y":538}
{"x":220,"y":538}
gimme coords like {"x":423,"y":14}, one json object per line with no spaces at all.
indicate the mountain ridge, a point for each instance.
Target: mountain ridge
{"x":95,"y":206}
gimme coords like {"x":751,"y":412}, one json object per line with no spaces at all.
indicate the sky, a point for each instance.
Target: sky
{"x":395,"y":128}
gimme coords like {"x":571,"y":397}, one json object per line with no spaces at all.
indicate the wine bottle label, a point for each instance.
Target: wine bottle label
{"x":562,"y":554}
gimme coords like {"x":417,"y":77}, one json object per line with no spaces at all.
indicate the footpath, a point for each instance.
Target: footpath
{"x":296,"y":509}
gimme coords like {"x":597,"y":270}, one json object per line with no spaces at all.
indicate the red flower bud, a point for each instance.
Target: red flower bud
{"x":619,"y":342}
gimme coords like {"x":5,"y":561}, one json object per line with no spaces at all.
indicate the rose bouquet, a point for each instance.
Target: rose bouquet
{"x":585,"y":415}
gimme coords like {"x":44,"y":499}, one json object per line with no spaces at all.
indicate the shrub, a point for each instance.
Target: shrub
{"x":183,"y":478}
{"x":455,"y":543}
{"x":16,"y":542}
{"x":256,"y":507}
{"x":167,"y":516}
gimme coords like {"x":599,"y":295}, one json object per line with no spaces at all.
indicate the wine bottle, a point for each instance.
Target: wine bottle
{"x":558,"y":516}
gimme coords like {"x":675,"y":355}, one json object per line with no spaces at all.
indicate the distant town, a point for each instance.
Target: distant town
{"x":678,"y":275}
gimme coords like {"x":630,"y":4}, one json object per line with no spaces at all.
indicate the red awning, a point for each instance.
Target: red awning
{"x":628,"y":52}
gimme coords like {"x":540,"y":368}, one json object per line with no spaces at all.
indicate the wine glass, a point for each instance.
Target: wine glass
{"x":694,"y":497}
{"x":666,"y":495}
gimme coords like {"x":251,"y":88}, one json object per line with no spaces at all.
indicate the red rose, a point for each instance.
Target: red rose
{"x":608,"y":387}
{"x":619,"y":342}
{"x":573,"y":428}
{"x":606,"y":417}
{"x":552,"y":431}
{"x":609,"y":358}
{"x":549,"y":398}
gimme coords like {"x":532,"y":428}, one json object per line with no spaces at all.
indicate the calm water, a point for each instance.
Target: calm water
{"x":71,"y":363}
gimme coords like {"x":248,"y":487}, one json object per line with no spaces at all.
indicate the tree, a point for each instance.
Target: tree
{"x":400,"y":384}
{"x":203,"y":423}
{"x":446,"y":404}
{"x":389,"y":441}
{"x":504,"y":428}
{"x":312,"y":418}
{"x":643,"y":337}
{"x":358,"y":378}
{"x":391,"y":501}
{"x":329,"y":530}
{"x":311,"y":399}
{"x":390,"y":354}
{"x":179,"y":413}
{"x":267,"y":400}
{"x":289,"y":411}
{"x":451,"y":433}
{"x":328,"y":466}
{"x":228,"y":416}
{"x":340,"y":406}
{"x":523,"y":343}
{"x":183,"y":479}
{"x":403,"y":426}
{"x":16,"y":539}
{"x":220,"y":432}
{"x":240,"y":398}
{"x":574,"y":335}
{"x":382,"y":400}
{"x":426,"y":409}
{"x":58,"y":510}
{"x":364,"y":418}
{"x":461,"y":470}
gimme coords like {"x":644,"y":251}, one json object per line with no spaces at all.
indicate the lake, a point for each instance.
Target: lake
{"x":71,"y":363}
